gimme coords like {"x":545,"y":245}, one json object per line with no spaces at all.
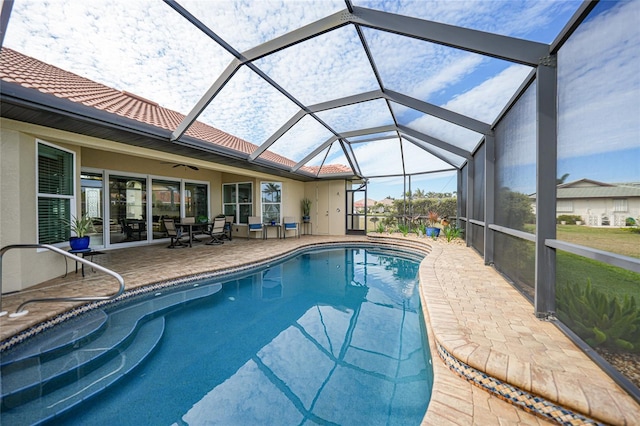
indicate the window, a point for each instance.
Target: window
{"x":196,"y":200}
{"x":564,"y":206}
{"x":56,"y":192}
{"x":271,"y":196}
{"x":620,"y":205}
{"x":237,"y":201}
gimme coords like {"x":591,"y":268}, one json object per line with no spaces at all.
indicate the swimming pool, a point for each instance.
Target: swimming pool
{"x":329,"y":336}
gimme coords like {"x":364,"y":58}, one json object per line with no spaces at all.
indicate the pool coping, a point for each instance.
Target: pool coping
{"x":536,"y":387}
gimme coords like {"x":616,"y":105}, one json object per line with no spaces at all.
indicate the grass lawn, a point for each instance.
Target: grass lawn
{"x":610,"y":280}
{"x":615,"y":240}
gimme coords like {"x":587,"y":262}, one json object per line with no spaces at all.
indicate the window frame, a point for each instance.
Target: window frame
{"x":564,"y":206}
{"x":620,"y":205}
{"x":236,"y":203}
{"x":45,"y":195}
{"x":263,"y":203}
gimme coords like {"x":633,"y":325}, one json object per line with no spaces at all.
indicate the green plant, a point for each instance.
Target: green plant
{"x":80,"y":225}
{"x":404,"y":229}
{"x":633,"y":225}
{"x":451,"y":232}
{"x":306,"y":206}
{"x":569,"y":219}
{"x":380,"y":228}
{"x":432,"y":218}
{"x":599,"y":319}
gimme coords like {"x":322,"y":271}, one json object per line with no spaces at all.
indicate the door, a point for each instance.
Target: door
{"x":356,"y":216}
{"x":321,"y":214}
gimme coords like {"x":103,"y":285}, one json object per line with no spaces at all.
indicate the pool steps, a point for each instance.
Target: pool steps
{"x":59,"y":370}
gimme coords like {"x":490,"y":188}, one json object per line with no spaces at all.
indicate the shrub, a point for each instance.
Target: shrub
{"x":380,"y":228}
{"x":570,"y":219}
{"x":598,"y":319}
{"x":404,"y":229}
{"x":451,"y":232}
{"x":633,"y":224}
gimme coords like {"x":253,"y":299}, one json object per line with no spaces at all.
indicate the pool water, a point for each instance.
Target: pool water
{"x":328,"y":337}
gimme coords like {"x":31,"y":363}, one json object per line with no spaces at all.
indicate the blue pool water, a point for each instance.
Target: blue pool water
{"x":327,"y":337}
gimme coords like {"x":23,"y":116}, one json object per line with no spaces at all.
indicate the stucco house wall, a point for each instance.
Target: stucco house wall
{"x":598,"y":203}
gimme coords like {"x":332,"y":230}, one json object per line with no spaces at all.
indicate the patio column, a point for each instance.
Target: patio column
{"x":489,"y":197}
{"x":546,"y":164}
{"x":469,"y":226}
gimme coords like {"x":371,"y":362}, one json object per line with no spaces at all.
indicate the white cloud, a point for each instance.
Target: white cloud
{"x":145,"y":47}
{"x":599,"y":85}
{"x":140,"y":46}
{"x":485,"y":101}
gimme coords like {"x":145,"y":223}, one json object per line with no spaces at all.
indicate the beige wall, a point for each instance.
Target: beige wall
{"x":18,"y":198}
{"x":22,"y":268}
{"x":328,"y":206}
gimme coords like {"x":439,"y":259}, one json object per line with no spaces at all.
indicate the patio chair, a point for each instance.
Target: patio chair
{"x":290,"y":224}
{"x":174,"y":233}
{"x":217,"y":231}
{"x":228,"y":223}
{"x":255,"y":225}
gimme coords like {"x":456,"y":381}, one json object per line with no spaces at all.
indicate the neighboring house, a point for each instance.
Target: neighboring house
{"x":359,"y":205}
{"x":598,"y":203}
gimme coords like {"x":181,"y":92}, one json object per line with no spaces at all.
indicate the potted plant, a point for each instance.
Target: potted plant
{"x":80,"y":226}
{"x":306,"y":209}
{"x":432,"y":220}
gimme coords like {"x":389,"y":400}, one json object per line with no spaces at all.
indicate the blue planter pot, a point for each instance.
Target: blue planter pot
{"x":79,"y":243}
{"x":432,"y":232}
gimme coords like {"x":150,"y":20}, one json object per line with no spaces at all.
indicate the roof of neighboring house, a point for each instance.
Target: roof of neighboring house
{"x":360,"y":203}
{"x":584,"y":183}
{"x":386,"y":201}
{"x":599,"y":192}
{"x":587,"y":188}
{"x":29,"y":72}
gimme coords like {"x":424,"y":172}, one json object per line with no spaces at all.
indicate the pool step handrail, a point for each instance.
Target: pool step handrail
{"x":20,"y":311}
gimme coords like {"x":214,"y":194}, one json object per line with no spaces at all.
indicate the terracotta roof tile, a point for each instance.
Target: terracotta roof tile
{"x":32,"y":73}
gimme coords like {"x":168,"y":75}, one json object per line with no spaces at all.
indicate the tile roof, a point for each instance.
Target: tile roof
{"x":29,"y":72}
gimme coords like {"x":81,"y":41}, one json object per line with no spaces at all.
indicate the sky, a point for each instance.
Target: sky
{"x":146,"y":48}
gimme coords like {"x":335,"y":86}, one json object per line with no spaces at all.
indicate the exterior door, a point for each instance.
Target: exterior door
{"x":320,"y":213}
{"x":356,"y":218}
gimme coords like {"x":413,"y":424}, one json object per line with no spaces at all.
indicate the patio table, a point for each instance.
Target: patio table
{"x":88,"y":252}
{"x":266,"y":226}
{"x":191,"y":226}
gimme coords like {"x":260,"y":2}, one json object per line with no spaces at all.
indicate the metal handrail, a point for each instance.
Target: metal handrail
{"x":82,"y":260}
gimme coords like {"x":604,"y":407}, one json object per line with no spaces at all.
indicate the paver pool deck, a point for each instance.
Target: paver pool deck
{"x":494,"y":362}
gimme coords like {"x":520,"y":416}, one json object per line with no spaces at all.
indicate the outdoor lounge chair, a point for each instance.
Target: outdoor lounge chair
{"x":174,"y":233}
{"x":255,"y":225}
{"x":290,"y":224}
{"x":217,"y":231}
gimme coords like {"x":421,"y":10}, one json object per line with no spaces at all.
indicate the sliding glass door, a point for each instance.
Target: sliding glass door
{"x":92,"y":197}
{"x":166,"y":198}
{"x":127,"y":208}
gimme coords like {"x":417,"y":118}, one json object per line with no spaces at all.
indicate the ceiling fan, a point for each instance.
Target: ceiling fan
{"x":181,"y":165}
